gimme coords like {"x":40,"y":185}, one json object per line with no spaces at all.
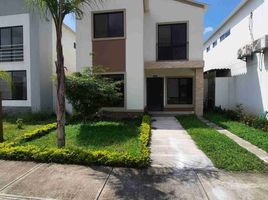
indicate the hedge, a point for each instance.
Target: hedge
{"x":14,"y":151}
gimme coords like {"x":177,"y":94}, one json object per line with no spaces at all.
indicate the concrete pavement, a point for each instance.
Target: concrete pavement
{"x":26,"y":180}
{"x":172,"y":146}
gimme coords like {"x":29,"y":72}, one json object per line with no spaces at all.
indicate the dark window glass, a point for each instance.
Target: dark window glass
{"x":11,"y":44}
{"x":225,"y":35}
{"x":172,"y":42}
{"x":109,"y":25}
{"x":179,"y":90}
{"x":18,"y":88}
{"x":121,"y":89}
{"x":215,"y":43}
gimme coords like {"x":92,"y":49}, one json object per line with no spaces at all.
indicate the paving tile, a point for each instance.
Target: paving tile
{"x":153,"y":184}
{"x":61,"y":182}
{"x":10,"y":170}
{"x":234,"y":186}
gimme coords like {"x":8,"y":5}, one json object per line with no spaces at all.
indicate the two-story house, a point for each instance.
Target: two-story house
{"x":153,"y":46}
{"x":28,"y":53}
{"x":236,"y":59}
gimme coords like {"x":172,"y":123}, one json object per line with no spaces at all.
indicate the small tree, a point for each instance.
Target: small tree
{"x":88,"y":92}
{"x":58,"y":9}
{"x":4,"y":76}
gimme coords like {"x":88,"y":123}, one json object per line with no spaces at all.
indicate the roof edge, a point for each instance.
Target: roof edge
{"x":237,"y":9}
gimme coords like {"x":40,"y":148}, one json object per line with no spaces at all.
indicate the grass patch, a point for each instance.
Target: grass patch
{"x":223,"y":152}
{"x":122,"y":137}
{"x":31,"y":122}
{"x":253,"y":135}
{"x":110,"y":143}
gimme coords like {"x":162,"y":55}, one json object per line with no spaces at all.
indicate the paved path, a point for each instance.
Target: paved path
{"x":171,"y":146}
{"x":263,"y":155}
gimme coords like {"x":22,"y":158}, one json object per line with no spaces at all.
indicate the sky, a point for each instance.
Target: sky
{"x":217,"y":11}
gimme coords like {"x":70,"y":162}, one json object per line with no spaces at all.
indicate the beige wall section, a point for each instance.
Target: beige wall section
{"x":170,"y":11}
{"x":199,"y":91}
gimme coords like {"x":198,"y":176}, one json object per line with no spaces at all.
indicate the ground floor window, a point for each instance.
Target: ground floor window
{"x":179,"y":91}
{"x":18,"y":88}
{"x":121,"y":90}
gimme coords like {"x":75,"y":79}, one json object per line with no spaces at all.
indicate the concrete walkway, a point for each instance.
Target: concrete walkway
{"x":171,"y":146}
{"x":263,"y":155}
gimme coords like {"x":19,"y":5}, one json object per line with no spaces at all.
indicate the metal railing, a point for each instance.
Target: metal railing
{"x":11,"y":53}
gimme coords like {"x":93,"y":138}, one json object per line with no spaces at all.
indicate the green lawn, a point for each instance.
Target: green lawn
{"x":114,"y":136}
{"x":253,"y":135}
{"x":223,"y":152}
{"x":30,"y":123}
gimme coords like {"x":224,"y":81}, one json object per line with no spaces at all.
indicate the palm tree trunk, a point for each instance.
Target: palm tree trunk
{"x":1,"y":121}
{"x":60,"y":90}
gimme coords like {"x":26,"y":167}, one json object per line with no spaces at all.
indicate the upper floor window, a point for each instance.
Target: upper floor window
{"x":18,"y":88}
{"x":172,"y":41}
{"x":208,"y":48}
{"x":215,"y":43}
{"x":108,"y":25}
{"x":225,"y":35}
{"x":11,"y":44}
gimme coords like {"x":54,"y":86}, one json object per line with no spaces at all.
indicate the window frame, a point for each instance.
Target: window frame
{"x":208,"y":48}
{"x":180,"y":104}
{"x":187,"y":40}
{"x":12,"y":56}
{"x":108,"y":12}
{"x":12,"y":71}
{"x":215,"y":43}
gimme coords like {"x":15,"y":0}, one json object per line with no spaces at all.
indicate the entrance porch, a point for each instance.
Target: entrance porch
{"x":174,"y":90}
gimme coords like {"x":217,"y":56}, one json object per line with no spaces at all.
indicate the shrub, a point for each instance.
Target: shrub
{"x":88,"y":92}
{"x":238,"y":114}
{"x":19,"y":123}
{"x":14,"y":151}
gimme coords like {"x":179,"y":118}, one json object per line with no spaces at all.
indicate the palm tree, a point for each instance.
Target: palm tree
{"x":58,"y":9}
{"x":4,"y":76}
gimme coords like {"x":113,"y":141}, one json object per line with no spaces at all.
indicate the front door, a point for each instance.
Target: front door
{"x":155,"y":90}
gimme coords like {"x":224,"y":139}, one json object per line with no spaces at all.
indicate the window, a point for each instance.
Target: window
{"x":215,"y":44}
{"x":121,"y":89}
{"x":208,"y":48}
{"x":172,"y":42}
{"x":179,"y":91}
{"x":11,"y":44}
{"x":18,"y":88}
{"x":107,"y":25}
{"x":225,"y":35}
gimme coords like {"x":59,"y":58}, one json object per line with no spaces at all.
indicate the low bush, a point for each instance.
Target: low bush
{"x":238,"y":114}
{"x":14,"y":151}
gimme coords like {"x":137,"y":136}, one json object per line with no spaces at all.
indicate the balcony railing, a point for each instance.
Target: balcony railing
{"x":167,"y":52}
{"x":11,"y":53}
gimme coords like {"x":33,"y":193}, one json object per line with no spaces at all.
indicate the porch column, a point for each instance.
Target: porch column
{"x":199,"y":91}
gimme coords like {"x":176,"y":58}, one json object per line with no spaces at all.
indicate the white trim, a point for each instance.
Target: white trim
{"x":19,"y":20}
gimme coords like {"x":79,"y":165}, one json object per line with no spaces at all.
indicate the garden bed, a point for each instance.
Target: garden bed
{"x":223,"y":152}
{"x":112,"y":143}
{"x":253,"y":135}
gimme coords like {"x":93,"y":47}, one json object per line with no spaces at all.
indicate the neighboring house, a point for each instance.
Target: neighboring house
{"x":236,"y":59}
{"x":153,"y":46}
{"x":28,"y":52}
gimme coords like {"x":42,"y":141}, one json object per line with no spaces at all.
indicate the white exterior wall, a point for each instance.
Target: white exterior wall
{"x":170,"y":11}
{"x":19,"y":20}
{"x":248,"y":84}
{"x":134,"y":74}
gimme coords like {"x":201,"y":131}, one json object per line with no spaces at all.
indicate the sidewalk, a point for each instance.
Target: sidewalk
{"x":26,"y":180}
